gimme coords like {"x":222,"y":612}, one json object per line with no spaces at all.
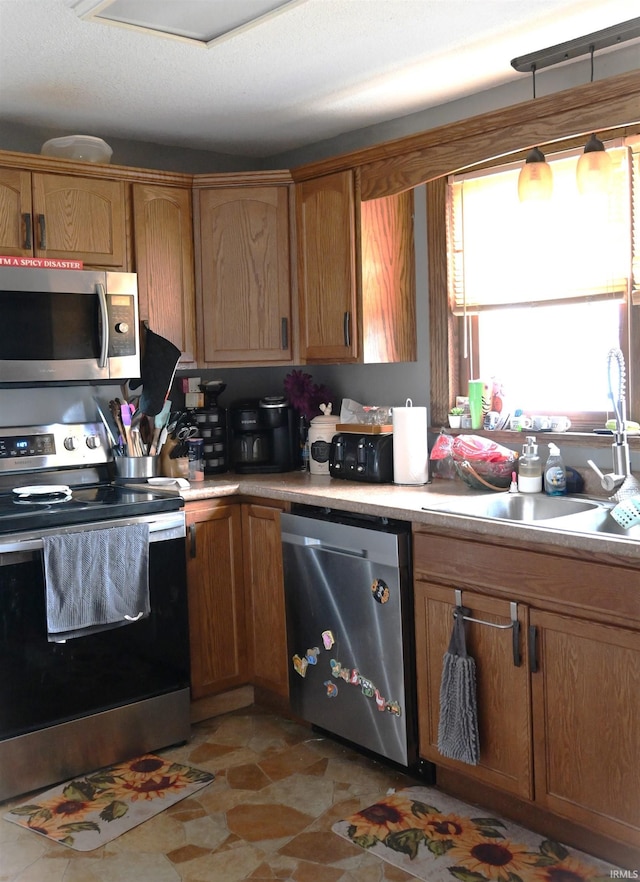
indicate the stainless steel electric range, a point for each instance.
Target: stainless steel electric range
{"x":70,"y":706}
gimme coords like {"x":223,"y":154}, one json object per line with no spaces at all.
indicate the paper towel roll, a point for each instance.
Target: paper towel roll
{"x":410,"y":448}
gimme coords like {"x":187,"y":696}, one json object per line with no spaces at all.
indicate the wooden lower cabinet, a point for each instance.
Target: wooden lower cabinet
{"x":215,"y":585}
{"x":236,"y":597}
{"x":266,"y":621}
{"x":560,"y":733}
{"x":503,"y":689}
{"x":586,"y":723}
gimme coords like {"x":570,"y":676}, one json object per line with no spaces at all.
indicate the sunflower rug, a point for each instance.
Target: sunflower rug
{"x":89,"y":811}
{"x":437,"y":838}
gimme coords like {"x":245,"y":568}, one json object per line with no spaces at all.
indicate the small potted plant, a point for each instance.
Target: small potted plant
{"x":455,"y":416}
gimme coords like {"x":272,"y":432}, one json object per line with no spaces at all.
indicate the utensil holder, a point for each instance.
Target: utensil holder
{"x":131,"y":469}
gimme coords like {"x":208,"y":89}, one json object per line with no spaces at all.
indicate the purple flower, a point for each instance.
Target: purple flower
{"x":304,"y":395}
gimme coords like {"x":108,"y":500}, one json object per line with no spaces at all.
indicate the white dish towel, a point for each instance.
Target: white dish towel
{"x":96,"y":580}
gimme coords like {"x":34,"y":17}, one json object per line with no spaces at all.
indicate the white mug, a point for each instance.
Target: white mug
{"x":541,"y":422}
{"x":560,"y":423}
{"x":520,"y":422}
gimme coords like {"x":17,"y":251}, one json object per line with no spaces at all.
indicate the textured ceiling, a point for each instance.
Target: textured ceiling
{"x":318,"y":69}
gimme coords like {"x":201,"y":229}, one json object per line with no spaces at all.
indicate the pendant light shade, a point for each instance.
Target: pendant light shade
{"x":593,"y":173}
{"x":535,"y":181}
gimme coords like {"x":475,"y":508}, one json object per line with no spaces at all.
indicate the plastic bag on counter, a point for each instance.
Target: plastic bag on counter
{"x":363,"y":414}
{"x":481,"y":463}
{"x":441,"y":457}
{"x":479,"y":449}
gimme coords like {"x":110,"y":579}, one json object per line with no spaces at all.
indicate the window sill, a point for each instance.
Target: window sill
{"x":566,"y":439}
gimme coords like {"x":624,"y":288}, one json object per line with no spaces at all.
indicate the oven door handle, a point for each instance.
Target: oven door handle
{"x":170,"y":525}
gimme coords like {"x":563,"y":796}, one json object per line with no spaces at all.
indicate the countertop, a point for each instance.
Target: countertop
{"x":417,"y":504}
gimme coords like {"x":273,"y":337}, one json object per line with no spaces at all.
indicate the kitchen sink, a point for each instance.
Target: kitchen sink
{"x":567,"y":514}
{"x":518,"y":507}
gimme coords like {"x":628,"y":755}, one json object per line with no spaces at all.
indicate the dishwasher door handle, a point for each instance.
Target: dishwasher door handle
{"x":311,"y":542}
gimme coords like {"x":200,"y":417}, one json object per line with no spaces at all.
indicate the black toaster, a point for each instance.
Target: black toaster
{"x":362,"y":457}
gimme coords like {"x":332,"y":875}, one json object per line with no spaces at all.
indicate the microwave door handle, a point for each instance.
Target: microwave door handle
{"x":104,"y":315}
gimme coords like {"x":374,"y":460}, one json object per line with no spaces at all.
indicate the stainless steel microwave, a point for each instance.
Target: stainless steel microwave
{"x":68,"y":325}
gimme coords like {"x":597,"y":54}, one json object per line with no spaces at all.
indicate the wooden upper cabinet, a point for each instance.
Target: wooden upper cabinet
{"x":388,"y":279}
{"x":328,"y":289}
{"x":243,"y":267}
{"x":80,"y":217}
{"x":163,"y":233}
{"x":16,"y":230}
{"x":357,"y":280}
{"x":63,"y":216}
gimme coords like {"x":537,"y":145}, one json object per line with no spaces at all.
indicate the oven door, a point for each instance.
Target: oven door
{"x":44,"y":684}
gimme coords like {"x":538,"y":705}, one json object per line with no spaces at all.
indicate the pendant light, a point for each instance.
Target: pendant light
{"x":594,"y":167}
{"x":535,"y":181}
{"x":593,"y":172}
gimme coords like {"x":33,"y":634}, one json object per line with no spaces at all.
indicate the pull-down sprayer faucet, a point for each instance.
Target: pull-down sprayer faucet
{"x":620,"y":481}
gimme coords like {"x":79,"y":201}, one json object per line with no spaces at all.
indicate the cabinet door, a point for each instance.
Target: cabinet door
{"x":330,"y":321}
{"x":216,"y":598}
{"x":163,"y":236}
{"x":245,"y":308}
{"x":503,"y":689}
{"x":81,"y":218}
{"x":388,"y":279}
{"x":16,"y":232}
{"x":586,"y":711}
{"x":267,"y":629}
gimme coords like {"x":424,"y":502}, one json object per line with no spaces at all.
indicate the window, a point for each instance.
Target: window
{"x":542,"y":291}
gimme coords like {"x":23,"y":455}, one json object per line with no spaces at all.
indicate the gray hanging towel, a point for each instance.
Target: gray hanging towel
{"x":96,"y":580}
{"x":458,"y":728}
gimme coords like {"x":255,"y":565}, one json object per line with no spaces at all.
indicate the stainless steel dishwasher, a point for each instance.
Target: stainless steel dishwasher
{"x":349,"y":606}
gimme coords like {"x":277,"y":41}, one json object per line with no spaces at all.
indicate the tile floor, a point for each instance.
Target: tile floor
{"x":279,"y":787}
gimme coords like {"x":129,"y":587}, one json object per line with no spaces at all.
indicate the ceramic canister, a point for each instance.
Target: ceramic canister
{"x":321,"y":431}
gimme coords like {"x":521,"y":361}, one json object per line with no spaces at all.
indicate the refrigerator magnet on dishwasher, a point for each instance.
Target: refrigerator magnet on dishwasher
{"x":349,"y":628}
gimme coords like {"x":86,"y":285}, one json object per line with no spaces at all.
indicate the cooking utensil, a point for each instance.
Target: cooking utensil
{"x":107,"y":422}
{"x":159,"y":423}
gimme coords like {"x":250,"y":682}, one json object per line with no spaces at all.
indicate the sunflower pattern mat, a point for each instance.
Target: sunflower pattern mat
{"x":88,"y":811}
{"x":437,"y":838}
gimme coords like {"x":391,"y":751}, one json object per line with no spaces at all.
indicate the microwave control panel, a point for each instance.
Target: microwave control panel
{"x":122,"y":325}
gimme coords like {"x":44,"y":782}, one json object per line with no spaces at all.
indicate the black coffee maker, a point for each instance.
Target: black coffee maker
{"x":264,"y":436}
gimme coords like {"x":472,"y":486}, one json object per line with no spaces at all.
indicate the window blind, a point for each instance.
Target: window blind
{"x":571,"y":248}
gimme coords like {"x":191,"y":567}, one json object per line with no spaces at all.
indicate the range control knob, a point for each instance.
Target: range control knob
{"x":122,"y":328}
{"x":70,"y":443}
{"x":93,"y":442}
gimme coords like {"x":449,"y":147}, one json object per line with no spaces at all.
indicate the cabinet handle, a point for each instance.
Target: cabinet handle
{"x":27,"y":231}
{"x":43,"y":232}
{"x":192,"y":540}
{"x":346,"y":327}
{"x":517,"y":657}
{"x":533,"y":657}
{"x":284,"y":332}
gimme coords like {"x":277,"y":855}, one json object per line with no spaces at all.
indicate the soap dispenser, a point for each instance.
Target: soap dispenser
{"x":555,"y":476}
{"x":530,"y":468}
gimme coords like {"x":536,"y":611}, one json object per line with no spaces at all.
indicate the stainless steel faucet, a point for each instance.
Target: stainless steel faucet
{"x":620,"y":481}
